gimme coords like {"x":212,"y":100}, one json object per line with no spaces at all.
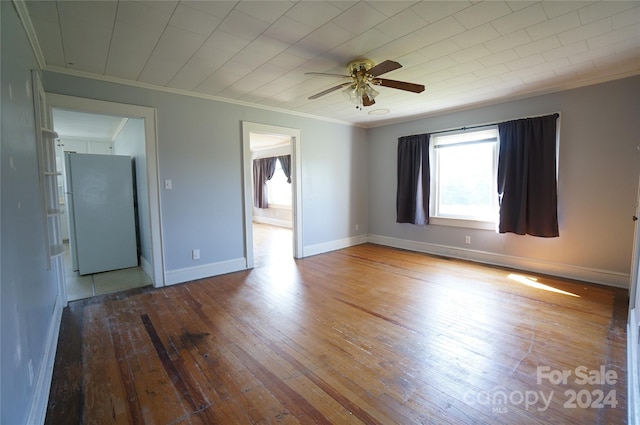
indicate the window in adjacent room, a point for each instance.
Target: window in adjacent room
{"x":279,"y":190}
{"x":464,"y":175}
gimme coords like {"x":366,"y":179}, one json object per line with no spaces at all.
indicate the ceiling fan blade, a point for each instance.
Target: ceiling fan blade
{"x":367,"y":101}
{"x":401,"y":85}
{"x":329,"y":90}
{"x":327,"y":74}
{"x":384,"y":67}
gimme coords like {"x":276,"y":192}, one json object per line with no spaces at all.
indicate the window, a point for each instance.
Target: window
{"x":279,"y":190}
{"x":464,"y":175}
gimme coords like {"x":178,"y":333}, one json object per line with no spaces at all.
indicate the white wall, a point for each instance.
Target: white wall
{"x":598,"y":177}
{"x":86,"y":146}
{"x":131,"y":142}
{"x":200,"y":150}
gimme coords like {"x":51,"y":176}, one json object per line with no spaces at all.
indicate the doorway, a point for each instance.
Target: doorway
{"x":90,"y":113}
{"x":267,"y":229}
{"x":633,"y":324}
{"x":84,"y":135}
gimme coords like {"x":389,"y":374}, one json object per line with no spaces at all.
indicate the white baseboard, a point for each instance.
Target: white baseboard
{"x":333,"y":245}
{"x":146,"y":267}
{"x":206,"y":270}
{"x":272,"y":221}
{"x":38,"y":409}
{"x":633,"y":379}
{"x":604,"y":277}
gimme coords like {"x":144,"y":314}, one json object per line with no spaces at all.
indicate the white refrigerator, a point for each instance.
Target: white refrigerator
{"x":100,"y":200}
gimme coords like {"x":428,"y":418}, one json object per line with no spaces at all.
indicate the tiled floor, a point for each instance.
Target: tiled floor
{"x":79,"y":287}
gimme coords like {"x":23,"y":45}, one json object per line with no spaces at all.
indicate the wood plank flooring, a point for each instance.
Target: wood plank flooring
{"x":364,"y":335}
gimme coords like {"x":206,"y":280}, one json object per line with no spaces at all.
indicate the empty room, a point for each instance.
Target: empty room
{"x":367,"y":212}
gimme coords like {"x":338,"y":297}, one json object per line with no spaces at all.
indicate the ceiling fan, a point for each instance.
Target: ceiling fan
{"x":364,"y":74}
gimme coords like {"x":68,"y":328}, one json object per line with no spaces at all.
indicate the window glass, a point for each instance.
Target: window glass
{"x":464,"y":177}
{"x":278,"y":188}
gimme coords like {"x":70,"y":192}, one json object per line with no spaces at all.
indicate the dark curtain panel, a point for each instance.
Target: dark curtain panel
{"x":263,"y":170}
{"x":285,"y":162}
{"x":527,"y":186}
{"x":413,"y":180}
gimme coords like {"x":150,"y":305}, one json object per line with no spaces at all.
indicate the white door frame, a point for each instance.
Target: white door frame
{"x":633,"y":331}
{"x":296,"y":190}
{"x":149,"y":116}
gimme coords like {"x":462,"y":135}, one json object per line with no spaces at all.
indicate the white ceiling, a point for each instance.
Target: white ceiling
{"x":262,"y":141}
{"x":257,"y":52}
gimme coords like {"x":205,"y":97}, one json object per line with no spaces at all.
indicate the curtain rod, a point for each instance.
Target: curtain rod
{"x":557,"y":114}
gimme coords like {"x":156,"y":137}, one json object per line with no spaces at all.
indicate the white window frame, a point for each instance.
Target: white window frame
{"x":438,"y":218}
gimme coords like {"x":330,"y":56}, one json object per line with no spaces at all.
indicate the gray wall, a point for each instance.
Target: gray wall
{"x":200,"y":150}
{"x":27,"y":290}
{"x":598,"y":179}
{"x":348,"y":178}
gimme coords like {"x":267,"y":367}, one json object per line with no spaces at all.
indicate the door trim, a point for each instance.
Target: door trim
{"x":633,"y":331}
{"x":151,"y":148}
{"x":296,"y":172}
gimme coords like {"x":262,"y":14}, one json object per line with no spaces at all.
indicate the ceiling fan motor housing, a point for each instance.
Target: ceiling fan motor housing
{"x":360,"y":66}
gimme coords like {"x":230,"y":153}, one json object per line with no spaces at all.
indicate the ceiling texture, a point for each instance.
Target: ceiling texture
{"x":466,"y":53}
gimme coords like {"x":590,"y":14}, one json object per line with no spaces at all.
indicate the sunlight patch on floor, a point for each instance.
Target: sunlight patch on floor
{"x":533,"y":283}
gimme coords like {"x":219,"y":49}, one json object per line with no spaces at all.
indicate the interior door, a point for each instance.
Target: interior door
{"x":633,"y":357}
{"x":103,"y":212}
{"x":634,"y":294}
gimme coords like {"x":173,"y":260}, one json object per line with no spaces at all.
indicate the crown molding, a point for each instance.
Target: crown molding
{"x":565,"y":86}
{"x":181,"y":92}
{"x":366,"y":125}
{"x":23,"y":14}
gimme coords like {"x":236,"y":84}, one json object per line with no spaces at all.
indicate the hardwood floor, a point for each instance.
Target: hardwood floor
{"x":272,"y":245}
{"x":367,"y":334}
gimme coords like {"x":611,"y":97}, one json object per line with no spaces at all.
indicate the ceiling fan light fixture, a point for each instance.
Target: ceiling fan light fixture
{"x":361,"y":93}
{"x":364,"y":74}
{"x":350,"y":93}
{"x":370,"y":92}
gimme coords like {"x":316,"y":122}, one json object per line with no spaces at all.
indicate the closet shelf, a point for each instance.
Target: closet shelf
{"x":48,"y":175}
{"x":49,"y":134}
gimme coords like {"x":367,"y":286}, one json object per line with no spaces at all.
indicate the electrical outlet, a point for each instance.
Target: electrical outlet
{"x":467,"y":240}
{"x":357,"y":227}
{"x":168,"y":184}
{"x":195,"y":254}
